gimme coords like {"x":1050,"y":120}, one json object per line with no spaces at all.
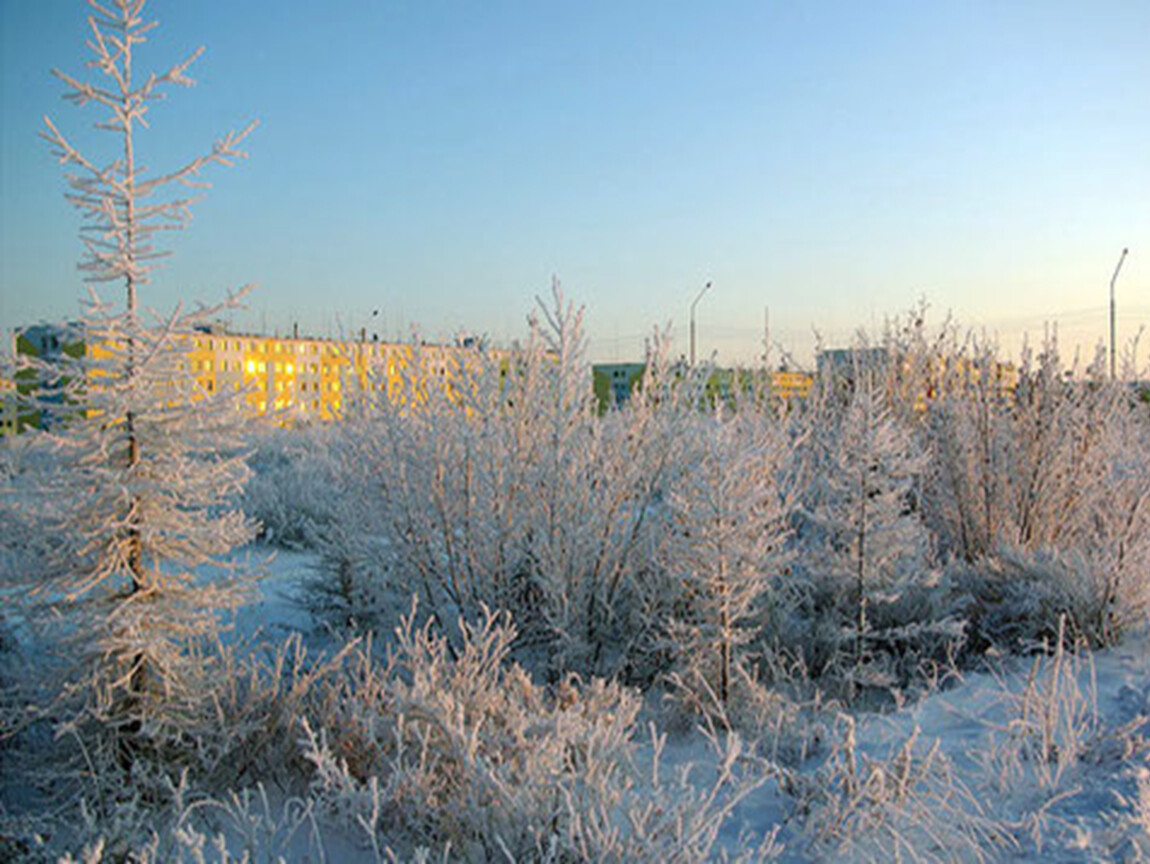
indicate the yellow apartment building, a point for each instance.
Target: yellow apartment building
{"x":290,"y":379}
{"x":295,"y":378}
{"x":304,"y":379}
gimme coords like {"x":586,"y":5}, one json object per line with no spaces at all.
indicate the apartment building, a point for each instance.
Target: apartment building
{"x":295,"y":378}
{"x":288,"y":379}
{"x":615,"y":382}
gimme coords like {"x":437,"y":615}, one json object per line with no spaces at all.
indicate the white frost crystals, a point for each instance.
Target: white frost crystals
{"x":148,"y":464}
{"x":123,"y":208}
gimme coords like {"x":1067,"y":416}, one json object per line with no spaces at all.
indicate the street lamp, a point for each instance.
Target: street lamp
{"x":695,"y":303}
{"x":1114,"y":279}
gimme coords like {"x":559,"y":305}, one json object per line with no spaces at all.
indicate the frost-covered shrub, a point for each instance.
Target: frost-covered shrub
{"x":1052,"y":723}
{"x":438,"y":746}
{"x":292,"y":490}
{"x":262,"y":694}
{"x":206,"y":786}
{"x":507,"y":489}
{"x":25,"y":545}
{"x":784,"y":729}
{"x":1016,"y":600}
{"x":1043,"y":493}
{"x":238,"y":827}
{"x":910,"y":804}
{"x":1052,"y":749}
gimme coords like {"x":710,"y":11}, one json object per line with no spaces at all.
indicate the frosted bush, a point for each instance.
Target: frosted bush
{"x":263,"y":693}
{"x":439,"y":745}
{"x":1043,"y":494}
{"x":873,"y":616}
{"x":1052,"y":748}
{"x":241,"y":827}
{"x":783,"y":730}
{"x":911,"y":804}
{"x":292,"y":491}
{"x":508,"y":490}
{"x":1051,"y":725}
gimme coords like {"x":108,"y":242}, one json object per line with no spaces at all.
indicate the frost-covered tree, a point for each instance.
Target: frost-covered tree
{"x":727,"y":546}
{"x":865,"y":540}
{"x":148,"y":462}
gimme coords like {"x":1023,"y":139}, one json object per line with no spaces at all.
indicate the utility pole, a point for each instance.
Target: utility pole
{"x":695,"y":303}
{"x":767,"y":337}
{"x":1113,"y":318}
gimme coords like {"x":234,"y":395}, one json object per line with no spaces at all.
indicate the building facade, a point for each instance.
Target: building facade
{"x":291,"y":380}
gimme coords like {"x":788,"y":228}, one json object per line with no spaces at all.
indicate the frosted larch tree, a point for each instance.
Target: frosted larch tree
{"x":148,"y":466}
{"x":729,"y":531}
{"x":871,"y":542}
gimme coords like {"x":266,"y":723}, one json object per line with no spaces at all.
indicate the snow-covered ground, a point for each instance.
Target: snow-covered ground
{"x":1042,"y":760}
{"x":1039,"y":759}
{"x":1033,"y":759}
{"x":276,"y":608}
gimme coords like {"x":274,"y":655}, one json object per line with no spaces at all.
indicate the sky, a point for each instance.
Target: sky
{"x":435,"y":164}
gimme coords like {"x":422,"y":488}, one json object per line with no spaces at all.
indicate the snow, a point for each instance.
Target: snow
{"x":1099,"y":810}
{"x":277,"y":609}
{"x":1096,"y":812}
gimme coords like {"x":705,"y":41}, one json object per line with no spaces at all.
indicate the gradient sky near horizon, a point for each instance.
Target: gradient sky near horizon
{"x":440,"y":161}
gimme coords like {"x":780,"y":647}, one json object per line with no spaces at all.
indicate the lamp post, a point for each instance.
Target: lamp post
{"x":1114,"y":279}
{"x":695,"y":303}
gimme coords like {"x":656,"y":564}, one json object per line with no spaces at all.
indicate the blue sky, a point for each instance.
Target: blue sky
{"x":439,"y":162}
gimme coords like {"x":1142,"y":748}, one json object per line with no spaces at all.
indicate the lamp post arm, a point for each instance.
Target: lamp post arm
{"x":695,"y":303}
{"x":1113,"y":317}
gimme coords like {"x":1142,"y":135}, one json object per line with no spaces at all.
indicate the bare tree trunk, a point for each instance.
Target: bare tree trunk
{"x":725,"y":635}
{"x":860,"y":574}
